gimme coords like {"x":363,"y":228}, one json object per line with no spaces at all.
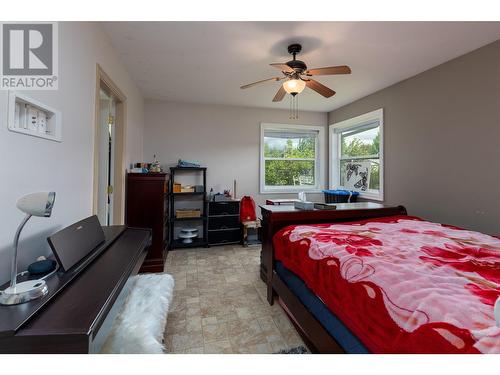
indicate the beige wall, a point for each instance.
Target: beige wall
{"x":226,"y":139}
{"x":33,"y":164}
{"x":442,"y":140}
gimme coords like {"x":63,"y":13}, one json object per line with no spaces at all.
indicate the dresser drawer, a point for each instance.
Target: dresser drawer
{"x":224,"y":208}
{"x":224,"y":236}
{"x":223,"y":222}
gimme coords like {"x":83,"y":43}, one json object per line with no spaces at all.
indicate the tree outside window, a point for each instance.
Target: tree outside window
{"x":290,"y":158}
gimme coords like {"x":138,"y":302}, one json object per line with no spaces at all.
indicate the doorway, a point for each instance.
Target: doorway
{"x":108,"y":203}
{"x":107,"y":115}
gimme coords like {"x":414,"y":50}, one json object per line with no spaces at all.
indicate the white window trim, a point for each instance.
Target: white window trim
{"x":334,"y":151}
{"x":319,"y":165}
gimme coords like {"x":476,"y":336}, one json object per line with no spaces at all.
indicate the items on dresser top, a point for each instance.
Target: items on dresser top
{"x":139,"y":168}
{"x":155,"y":166}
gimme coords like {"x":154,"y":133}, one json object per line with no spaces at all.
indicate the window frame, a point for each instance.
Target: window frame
{"x":334,"y":157}
{"x":318,"y":162}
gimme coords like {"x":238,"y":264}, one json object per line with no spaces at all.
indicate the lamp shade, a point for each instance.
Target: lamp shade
{"x":294,"y":86}
{"x":37,"y":204}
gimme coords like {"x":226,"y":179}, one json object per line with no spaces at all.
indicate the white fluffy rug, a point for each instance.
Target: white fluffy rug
{"x":139,"y":327}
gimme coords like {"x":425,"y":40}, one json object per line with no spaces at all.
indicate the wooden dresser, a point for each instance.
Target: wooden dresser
{"x":147,"y":207}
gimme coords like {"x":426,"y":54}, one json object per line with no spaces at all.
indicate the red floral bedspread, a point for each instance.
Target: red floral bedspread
{"x":401,"y":284}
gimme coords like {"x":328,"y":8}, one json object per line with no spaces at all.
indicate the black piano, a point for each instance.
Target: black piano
{"x":83,"y":301}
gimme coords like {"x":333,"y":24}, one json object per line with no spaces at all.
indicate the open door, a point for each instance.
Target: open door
{"x":107,"y":115}
{"x":109,"y":169}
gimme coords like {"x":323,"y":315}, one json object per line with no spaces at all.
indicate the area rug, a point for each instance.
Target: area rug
{"x":296,"y":350}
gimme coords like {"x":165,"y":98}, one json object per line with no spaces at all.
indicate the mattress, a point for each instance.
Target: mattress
{"x":401,"y":284}
{"x":344,"y":337}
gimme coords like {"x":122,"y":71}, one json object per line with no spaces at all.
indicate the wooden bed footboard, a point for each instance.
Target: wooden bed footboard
{"x":275,"y":218}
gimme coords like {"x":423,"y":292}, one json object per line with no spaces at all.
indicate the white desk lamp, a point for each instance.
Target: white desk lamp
{"x":36,"y":204}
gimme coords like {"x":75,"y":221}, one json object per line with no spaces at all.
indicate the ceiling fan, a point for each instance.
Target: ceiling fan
{"x":297,"y":76}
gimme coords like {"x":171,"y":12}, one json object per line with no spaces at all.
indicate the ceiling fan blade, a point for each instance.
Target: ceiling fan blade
{"x":279,"y":95}
{"x":342,"y":69}
{"x":320,"y":88}
{"x":264,"y":80}
{"x":283,"y":67}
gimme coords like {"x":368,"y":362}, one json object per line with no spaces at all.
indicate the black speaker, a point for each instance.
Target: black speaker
{"x":42,"y":267}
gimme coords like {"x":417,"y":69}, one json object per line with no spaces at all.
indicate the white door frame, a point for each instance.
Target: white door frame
{"x":103,"y":81}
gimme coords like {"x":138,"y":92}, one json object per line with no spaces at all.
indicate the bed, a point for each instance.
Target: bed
{"x":368,"y":278}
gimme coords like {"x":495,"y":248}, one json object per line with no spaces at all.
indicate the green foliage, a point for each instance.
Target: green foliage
{"x":301,"y":172}
{"x":356,"y":147}
{"x":304,"y":149}
{"x":375,"y":176}
{"x":290,"y":172}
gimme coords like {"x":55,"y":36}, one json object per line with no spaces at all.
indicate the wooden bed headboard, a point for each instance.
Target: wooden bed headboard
{"x":275,"y":218}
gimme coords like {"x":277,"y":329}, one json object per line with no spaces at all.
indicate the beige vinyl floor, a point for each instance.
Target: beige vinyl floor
{"x":220,"y":306}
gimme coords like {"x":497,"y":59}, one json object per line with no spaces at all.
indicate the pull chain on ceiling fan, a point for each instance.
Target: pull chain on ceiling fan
{"x":297,"y":78}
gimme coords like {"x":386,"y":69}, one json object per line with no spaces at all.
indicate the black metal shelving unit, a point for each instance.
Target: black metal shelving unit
{"x":173,"y":197}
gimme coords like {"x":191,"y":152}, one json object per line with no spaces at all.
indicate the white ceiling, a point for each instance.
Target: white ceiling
{"x":207,"y":62}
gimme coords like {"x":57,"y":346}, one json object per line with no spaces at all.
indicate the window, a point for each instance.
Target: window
{"x":359,"y":139}
{"x":290,"y":158}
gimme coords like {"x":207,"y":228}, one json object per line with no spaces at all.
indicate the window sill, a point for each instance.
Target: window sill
{"x":294,"y":191}
{"x":372,"y":196}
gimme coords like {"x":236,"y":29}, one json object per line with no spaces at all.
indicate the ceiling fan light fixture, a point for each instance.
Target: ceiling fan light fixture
{"x":294,"y":86}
